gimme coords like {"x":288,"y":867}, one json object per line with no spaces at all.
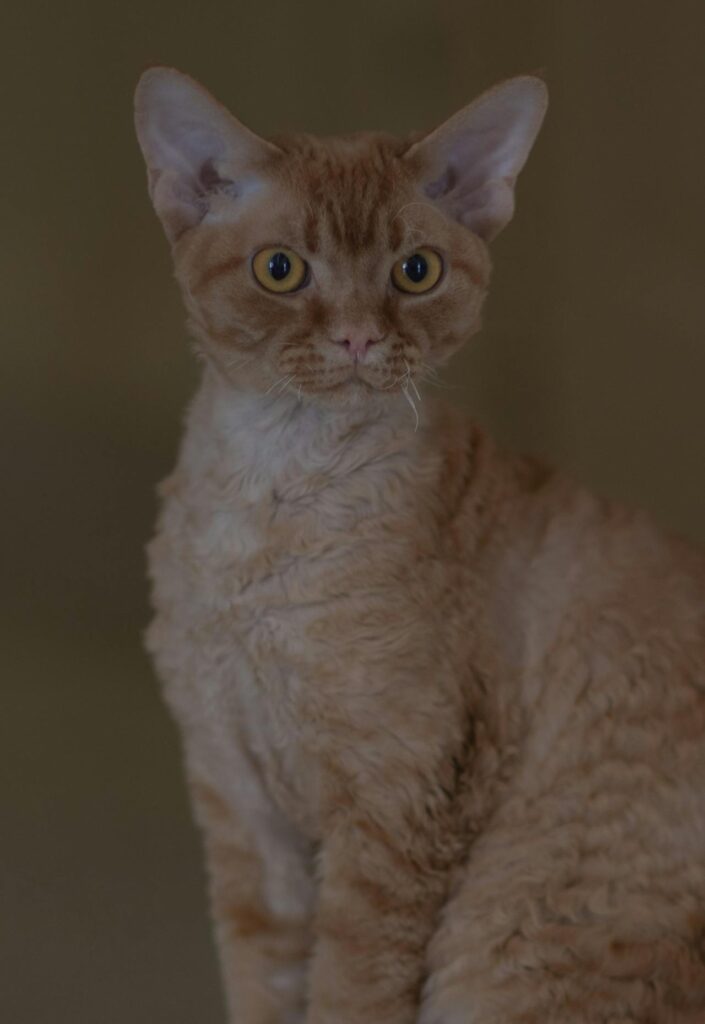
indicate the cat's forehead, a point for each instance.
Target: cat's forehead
{"x":372,"y":152}
{"x":350,"y":188}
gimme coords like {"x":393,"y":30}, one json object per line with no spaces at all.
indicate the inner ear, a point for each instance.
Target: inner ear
{"x":193,"y":148}
{"x":470,"y":164}
{"x":443,"y":185}
{"x":211,"y":178}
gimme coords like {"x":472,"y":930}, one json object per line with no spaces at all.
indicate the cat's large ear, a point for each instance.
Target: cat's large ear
{"x":192,"y":147}
{"x":470,"y":164}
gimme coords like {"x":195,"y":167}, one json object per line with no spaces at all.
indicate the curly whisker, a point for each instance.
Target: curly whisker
{"x":411,"y":381}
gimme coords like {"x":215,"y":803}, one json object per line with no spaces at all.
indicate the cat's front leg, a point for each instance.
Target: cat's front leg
{"x":381,"y":887}
{"x":262,"y":897}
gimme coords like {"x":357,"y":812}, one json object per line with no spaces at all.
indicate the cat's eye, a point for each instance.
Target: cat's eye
{"x":417,"y":272}
{"x":279,"y":270}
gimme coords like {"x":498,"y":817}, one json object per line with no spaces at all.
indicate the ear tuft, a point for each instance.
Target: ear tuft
{"x":192,"y":147}
{"x":470,"y":164}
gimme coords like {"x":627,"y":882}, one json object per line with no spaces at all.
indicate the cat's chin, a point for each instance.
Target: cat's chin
{"x":353,"y":393}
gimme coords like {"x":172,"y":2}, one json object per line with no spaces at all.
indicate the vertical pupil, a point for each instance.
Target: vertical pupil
{"x":415,"y":268}
{"x":279,"y":266}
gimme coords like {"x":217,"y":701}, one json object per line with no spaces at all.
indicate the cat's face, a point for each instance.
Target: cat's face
{"x":339,"y":269}
{"x":324,"y":281}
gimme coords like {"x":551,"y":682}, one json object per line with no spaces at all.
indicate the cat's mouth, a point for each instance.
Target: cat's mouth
{"x":358,"y":380}
{"x":351,"y":383}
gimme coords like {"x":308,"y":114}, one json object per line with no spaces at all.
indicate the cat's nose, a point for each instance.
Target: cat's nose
{"x":357,"y":341}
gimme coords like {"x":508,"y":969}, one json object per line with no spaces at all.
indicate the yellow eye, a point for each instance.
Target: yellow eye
{"x":279,"y":269}
{"x":418,"y":272}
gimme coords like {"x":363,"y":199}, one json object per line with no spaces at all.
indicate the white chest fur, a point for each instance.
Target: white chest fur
{"x":262,"y":523}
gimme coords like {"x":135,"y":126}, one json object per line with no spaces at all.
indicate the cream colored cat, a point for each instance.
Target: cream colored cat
{"x":443,"y":712}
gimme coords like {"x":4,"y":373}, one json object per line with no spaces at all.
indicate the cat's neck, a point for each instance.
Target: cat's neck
{"x":273,"y":432}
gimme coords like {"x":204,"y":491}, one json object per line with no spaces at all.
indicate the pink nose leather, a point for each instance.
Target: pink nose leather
{"x":357,"y":341}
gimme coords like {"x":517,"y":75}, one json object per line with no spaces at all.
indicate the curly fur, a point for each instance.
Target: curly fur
{"x":443,"y":711}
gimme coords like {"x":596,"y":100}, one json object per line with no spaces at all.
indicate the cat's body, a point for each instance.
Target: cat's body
{"x":443,"y":712}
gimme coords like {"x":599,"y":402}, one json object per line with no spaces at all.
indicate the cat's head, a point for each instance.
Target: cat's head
{"x":338,"y":268}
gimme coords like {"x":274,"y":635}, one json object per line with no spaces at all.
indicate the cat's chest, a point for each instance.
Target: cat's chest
{"x":262,"y":563}
{"x":268,"y":518}
{"x":235,"y":599}
{"x":285,"y":615}
{"x":259,"y":550}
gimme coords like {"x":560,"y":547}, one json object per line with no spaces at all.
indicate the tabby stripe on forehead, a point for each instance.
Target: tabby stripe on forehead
{"x":334,"y":224}
{"x":395,"y":232}
{"x":217,"y":270}
{"x":311,"y":235}
{"x":370,"y":229}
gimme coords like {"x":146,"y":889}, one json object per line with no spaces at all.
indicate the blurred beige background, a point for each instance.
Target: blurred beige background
{"x":593,"y":355}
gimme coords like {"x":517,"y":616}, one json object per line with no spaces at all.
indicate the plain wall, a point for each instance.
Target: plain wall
{"x":593,"y":355}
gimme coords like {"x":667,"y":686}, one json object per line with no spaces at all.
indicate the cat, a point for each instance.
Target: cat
{"x":443,"y":711}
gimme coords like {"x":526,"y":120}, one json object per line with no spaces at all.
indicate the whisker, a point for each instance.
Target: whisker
{"x":235,"y":364}
{"x":430,"y":376}
{"x":411,"y":402}
{"x":411,"y":380}
{"x":430,"y":383}
{"x":430,"y":371}
{"x":278,"y":382}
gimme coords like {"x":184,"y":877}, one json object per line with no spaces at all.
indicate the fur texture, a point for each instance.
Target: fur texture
{"x":443,"y":711}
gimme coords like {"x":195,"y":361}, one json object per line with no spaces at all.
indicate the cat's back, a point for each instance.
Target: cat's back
{"x":606,"y":574}
{"x":609,"y":612}
{"x":593,"y":603}
{"x":594,"y":856}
